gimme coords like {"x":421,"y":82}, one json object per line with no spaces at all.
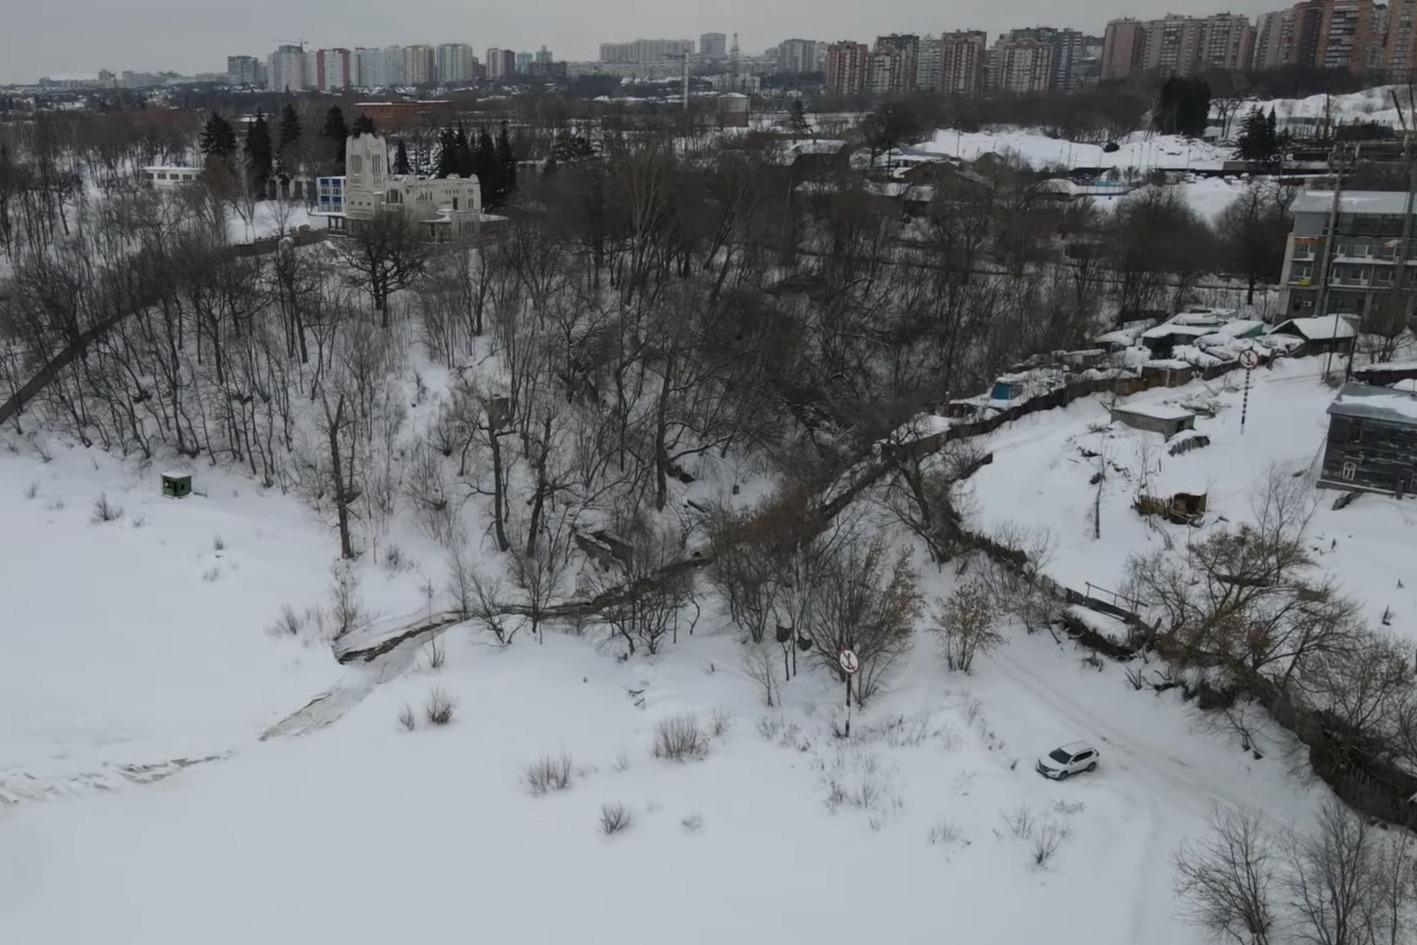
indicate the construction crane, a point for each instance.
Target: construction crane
{"x":297,"y":42}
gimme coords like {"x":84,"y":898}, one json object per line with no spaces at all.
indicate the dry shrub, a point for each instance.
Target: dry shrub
{"x":615,"y":818}
{"x":438,"y":710}
{"x":105,"y":511}
{"x":680,"y":739}
{"x":549,"y":773}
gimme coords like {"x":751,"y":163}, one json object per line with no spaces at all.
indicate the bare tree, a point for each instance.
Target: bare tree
{"x":966,"y":625}
{"x":1332,"y":885}
{"x":1227,"y":883}
{"x":388,"y":253}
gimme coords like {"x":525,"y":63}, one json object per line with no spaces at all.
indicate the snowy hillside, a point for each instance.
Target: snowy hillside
{"x":1142,"y":151}
{"x":1042,"y":478}
{"x":359,"y":831}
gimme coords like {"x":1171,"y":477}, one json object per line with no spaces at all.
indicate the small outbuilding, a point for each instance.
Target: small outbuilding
{"x":1155,"y":418}
{"x":1372,"y":441}
{"x":176,"y":485}
{"x":1321,"y":333}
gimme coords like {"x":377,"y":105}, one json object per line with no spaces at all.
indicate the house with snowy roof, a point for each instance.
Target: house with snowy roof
{"x":1372,"y":441}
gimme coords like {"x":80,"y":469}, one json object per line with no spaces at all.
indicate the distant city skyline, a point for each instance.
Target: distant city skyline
{"x":67,"y":37}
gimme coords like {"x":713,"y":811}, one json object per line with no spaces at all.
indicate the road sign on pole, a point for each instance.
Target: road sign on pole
{"x":1249,"y":360}
{"x":850,"y":665}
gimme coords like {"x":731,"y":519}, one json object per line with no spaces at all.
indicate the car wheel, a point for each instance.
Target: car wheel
{"x":1063,"y":775}
{"x":1092,"y":767}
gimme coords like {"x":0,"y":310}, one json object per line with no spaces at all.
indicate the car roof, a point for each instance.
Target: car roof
{"x":1073,"y":748}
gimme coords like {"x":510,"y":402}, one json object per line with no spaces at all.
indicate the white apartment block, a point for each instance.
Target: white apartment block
{"x":334,"y":69}
{"x":418,"y":65}
{"x":287,"y":69}
{"x":456,"y":63}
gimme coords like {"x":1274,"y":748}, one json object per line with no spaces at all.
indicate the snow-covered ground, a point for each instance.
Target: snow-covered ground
{"x":1373,"y":104}
{"x":1142,"y":151}
{"x":269,"y":218}
{"x":138,"y":641}
{"x":1040,"y":478}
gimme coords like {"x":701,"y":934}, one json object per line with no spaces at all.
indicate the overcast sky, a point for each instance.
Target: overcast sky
{"x":50,"y":37}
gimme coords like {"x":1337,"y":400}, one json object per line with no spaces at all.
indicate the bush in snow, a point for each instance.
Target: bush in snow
{"x":615,"y":818}
{"x":946,"y":833}
{"x":32,"y":490}
{"x":1046,"y":840}
{"x":680,"y":739}
{"x":438,"y":710}
{"x":549,"y":773}
{"x":105,"y":511}
{"x":407,"y":719}
{"x":965,"y":625}
{"x":345,"y":605}
{"x":1020,"y":822}
{"x":437,"y":655}
{"x":693,"y":823}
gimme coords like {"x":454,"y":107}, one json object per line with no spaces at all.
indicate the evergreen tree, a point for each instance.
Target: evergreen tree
{"x":288,"y":139}
{"x":466,"y":166}
{"x":797,"y":119}
{"x":335,"y":134}
{"x":506,"y":165}
{"x":363,"y":125}
{"x":401,"y":159}
{"x":218,"y":141}
{"x":484,"y":165}
{"x":1258,"y":140}
{"x":259,"y":160}
{"x":447,"y":153}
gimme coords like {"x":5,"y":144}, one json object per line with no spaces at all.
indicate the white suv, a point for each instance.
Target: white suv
{"x":1067,"y":760}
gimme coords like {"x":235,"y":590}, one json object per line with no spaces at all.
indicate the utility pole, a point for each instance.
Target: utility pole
{"x":1321,"y":300}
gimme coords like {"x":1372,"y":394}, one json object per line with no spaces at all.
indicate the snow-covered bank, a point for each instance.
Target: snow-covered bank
{"x":1142,"y":151}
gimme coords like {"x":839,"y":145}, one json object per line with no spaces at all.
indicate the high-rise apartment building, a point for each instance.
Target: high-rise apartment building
{"x":1346,"y":35}
{"x":713,"y":46}
{"x":419,"y":65}
{"x":962,"y":55}
{"x":501,"y":63}
{"x":1021,"y":66}
{"x":1400,"y":46}
{"x":544,"y":57}
{"x":929,"y":65}
{"x":1274,"y":40}
{"x":798,"y":56}
{"x":1177,"y":44}
{"x":893,"y":64}
{"x":243,"y":70}
{"x":1070,"y":47}
{"x":1227,"y":42}
{"x":391,"y":66}
{"x":846,"y":68}
{"x":455,"y":63}
{"x":333,"y":70}
{"x":523,"y":63}
{"x":645,"y":50}
{"x":1121,"y":49}
{"x":286,"y":68}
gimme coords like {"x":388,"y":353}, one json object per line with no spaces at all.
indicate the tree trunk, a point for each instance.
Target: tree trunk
{"x":346,"y":549}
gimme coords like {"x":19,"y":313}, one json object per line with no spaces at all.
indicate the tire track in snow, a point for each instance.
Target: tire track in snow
{"x":1137,"y":759}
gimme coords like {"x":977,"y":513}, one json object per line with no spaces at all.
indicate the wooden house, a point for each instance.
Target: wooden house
{"x":1372,"y":441}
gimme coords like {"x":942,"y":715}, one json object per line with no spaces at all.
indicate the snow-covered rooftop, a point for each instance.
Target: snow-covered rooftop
{"x":1155,"y":411}
{"x":1360,"y":202}
{"x":1320,"y":327}
{"x":1369,"y":402}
